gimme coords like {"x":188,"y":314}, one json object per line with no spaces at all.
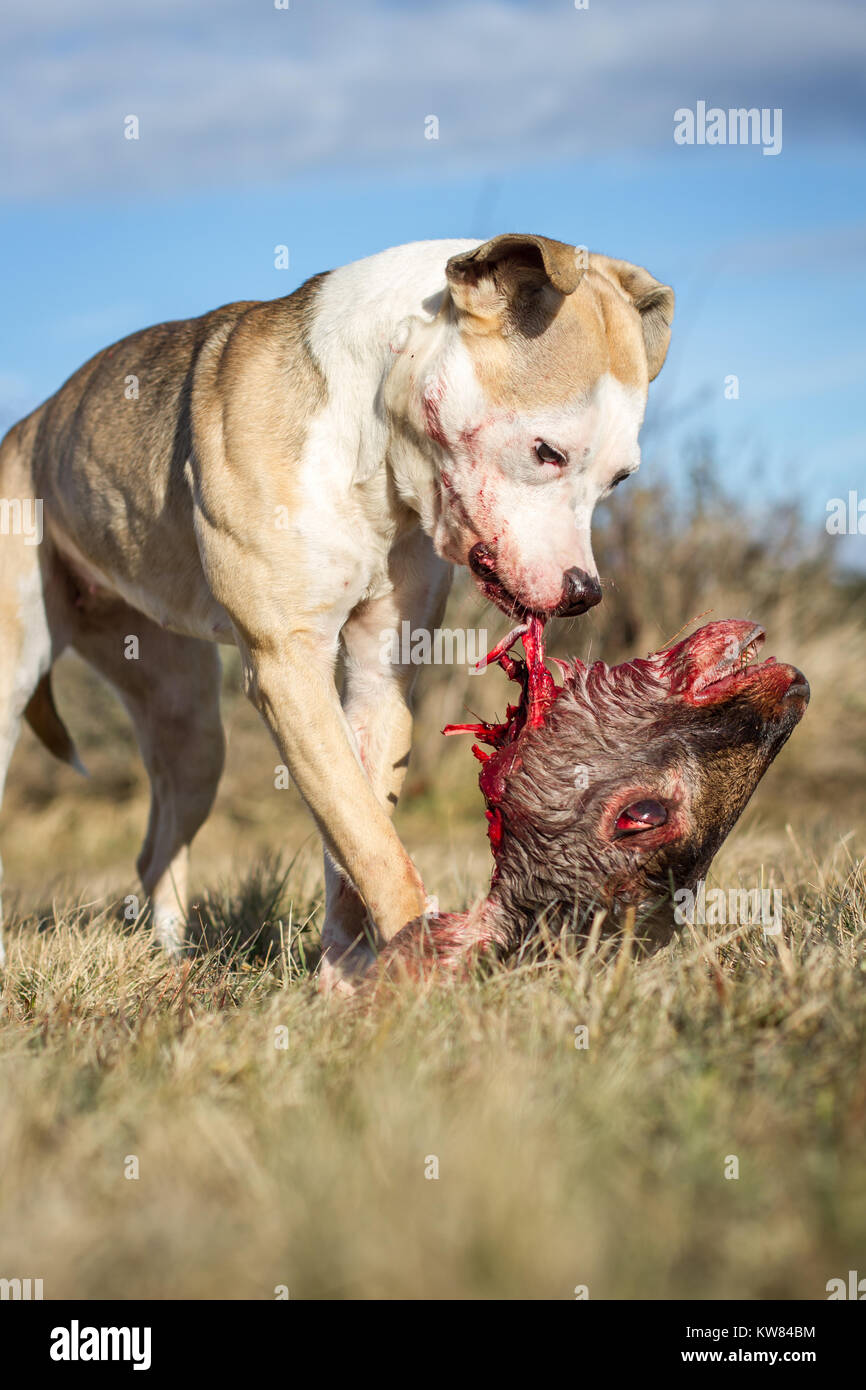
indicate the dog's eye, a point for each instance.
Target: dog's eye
{"x":620,"y":478}
{"x":545,"y":453}
{"x":640,"y":815}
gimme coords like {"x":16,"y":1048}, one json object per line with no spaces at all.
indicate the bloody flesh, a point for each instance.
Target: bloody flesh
{"x":538,"y":690}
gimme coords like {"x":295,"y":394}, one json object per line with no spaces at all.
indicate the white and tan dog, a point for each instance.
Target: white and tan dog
{"x":296,"y":477}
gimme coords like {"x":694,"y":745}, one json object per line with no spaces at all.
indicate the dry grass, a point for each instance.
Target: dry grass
{"x":304,"y":1165}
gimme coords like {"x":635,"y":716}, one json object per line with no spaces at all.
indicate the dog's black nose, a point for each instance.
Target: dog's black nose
{"x":580,"y":591}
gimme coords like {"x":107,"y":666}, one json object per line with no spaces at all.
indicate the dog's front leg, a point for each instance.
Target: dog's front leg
{"x":376,"y":705}
{"x":377,"y":698}
{"x":292,"y":686}
{"x":377,"y":709}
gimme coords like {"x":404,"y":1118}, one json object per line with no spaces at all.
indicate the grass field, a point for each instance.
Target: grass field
{"x":219,"y":1130}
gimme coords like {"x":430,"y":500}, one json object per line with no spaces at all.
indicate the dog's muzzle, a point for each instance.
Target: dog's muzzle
{"x":580,"y":591}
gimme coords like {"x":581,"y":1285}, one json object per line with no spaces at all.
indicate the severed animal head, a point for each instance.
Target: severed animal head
{"x":616,"y":788}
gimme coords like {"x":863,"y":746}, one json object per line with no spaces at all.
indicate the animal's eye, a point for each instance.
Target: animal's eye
{"x":545,"y":453}
{"x":640,"y":815}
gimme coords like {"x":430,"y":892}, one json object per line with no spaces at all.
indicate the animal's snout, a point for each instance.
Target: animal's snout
{"x":580,"y":591}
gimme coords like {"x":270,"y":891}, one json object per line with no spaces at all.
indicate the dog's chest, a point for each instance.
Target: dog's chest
{"x":348,"y":536}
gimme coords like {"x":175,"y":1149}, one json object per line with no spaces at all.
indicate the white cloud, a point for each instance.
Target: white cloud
{"x":228,"y":91}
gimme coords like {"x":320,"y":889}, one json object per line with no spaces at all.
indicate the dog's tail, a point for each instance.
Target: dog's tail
{"x":41,"y":714}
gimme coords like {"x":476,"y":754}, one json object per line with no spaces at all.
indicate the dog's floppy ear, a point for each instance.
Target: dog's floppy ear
{"x":485,"y":280}
{"x":653,"y":301}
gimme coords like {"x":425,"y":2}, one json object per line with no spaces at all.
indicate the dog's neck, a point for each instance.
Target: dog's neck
{"x":414,"y":457}
{"x":380,"y":326}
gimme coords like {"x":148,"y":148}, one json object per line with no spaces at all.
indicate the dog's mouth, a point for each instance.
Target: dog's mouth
{"x":493,"y":589}
{"x":482,"y":565}
{"x":483,"y":569}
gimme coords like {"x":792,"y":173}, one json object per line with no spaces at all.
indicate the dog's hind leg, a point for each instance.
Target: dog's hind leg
{"x":29,"y":627}
{"x":170,"y":686}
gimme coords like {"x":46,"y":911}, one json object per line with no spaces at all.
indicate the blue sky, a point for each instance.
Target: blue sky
{"x":305,"y":127}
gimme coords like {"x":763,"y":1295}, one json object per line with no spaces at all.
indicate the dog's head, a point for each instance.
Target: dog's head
{"x":534,"y":403}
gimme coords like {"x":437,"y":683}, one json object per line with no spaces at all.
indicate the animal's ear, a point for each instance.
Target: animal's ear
{"x":487,"y":279}
{"x":653,"y":301}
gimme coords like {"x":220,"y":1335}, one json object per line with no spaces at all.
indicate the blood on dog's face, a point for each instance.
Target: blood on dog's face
{"x":518,"y":488}
{"x":536,"y":400}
